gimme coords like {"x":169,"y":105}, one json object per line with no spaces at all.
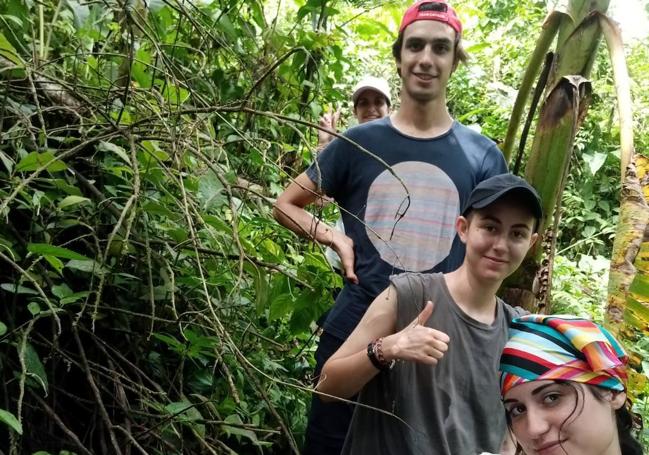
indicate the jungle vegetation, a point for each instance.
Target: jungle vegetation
{"x":150,"y":303}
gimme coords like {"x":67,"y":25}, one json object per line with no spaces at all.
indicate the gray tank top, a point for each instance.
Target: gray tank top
{"x":452,"y":408}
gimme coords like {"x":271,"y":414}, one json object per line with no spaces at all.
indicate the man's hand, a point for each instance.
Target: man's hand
{"x":344,"y":247}
{"x":417,"y":342}
{"x":330,"y":121}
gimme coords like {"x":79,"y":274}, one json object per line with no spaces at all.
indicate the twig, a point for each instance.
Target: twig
{"x":69,"y":433}
{"x":97,"y":394}
{"x":38,"y":289}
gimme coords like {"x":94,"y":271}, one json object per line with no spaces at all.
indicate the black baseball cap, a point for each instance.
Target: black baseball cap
{"x":490,"y":190}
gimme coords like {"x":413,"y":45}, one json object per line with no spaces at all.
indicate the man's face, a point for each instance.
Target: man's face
{"x":426,"y":60}
{"x":370,"y":105}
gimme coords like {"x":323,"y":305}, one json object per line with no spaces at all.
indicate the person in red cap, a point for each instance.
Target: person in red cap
{"x":399,"y":193}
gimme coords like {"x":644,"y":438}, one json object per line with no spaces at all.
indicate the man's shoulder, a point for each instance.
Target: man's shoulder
{"x":379,"y":126}
{"x":361,"y":134}
{"x":468,"y":135}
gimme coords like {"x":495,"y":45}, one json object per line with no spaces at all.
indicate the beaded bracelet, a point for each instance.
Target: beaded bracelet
{"x":375,"y":353}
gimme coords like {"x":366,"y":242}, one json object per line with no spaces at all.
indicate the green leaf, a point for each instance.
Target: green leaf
{"x":61,"y":290}
{"x":13,"y":19}
{"x":218,"y":224}
{"x":8,"y":162}
{"x":155,"y":5}
{"x":175,"y":95}
{"x":154,"y":149}
{"x":34,"y":308}
{"x":74,"y":297}
{"x":116,"y":149}
{"x":13,"y":423}
{"x":236,"y":430}
{"x":87,"y":265}
{"x":55,"y":262}
{"x":80,"y":12}
{"x":35,"y":367}
{"x":64,"y":186}
{"x":35,"y":160}
{"x":179,"y":407}
{"x":307,"y":308}
{"x":56,"y":251}
{"x":72,"y":200}
{"x":273,"y":249}
{"x":280,"y":306}
{"x":595,"y":161}
{"x":170,"y":341}
{"x":186,"y":413}
{"x":260,"y":280}
{"x":210,"y":191}
{"x":10,"y":287}
{"x":9,"y":52}
{"x":3,"y":328}
{"x":156,"y":208}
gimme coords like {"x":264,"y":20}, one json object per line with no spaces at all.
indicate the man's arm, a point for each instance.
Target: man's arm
{"x":349,"y":369}
{"x":289,"y":212}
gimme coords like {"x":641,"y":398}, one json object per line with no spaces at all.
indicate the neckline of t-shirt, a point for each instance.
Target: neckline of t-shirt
{"x":388,"y":121}
{"x":465,"y":317}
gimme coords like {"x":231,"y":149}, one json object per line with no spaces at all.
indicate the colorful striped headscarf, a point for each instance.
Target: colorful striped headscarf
{"x":564,"y":348}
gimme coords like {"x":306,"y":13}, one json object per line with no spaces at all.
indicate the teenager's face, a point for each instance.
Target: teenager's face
{"x":551,"y":418}
{"x":497,"y":239}
{"x":370,"y":105}
{"x":426,"y":60}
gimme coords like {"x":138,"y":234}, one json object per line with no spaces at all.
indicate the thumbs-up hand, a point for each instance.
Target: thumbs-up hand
{"x":417,"y":342}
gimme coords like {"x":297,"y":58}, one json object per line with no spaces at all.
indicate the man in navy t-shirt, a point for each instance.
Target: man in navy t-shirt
{"x":399,"y":192}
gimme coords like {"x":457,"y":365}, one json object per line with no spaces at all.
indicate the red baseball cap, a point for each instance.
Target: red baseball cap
{"x":432,"y":10}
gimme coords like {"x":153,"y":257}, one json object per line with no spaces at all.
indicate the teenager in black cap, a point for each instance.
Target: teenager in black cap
{"x":427,"y":350}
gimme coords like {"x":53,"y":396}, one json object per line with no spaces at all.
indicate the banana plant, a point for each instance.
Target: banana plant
{"x":558,"y":81}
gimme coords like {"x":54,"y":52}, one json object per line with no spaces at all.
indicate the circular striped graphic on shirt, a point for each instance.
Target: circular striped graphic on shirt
{"x":418,"y":235}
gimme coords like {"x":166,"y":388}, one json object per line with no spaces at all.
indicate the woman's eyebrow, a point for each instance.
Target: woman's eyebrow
{"x":534,"y":392}
{"x":541,"y":388}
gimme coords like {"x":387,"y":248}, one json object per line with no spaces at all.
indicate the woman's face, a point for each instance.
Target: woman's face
{"x":370,"y":105}
{"x":553,"y":418}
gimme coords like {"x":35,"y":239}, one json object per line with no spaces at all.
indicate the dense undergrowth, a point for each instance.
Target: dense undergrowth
{"x":150,"y":302}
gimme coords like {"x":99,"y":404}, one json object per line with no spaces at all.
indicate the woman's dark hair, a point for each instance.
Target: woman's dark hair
{"x":623,"y":418}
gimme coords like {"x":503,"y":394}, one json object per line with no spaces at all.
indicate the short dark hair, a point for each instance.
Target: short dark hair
{"x":459,"y":53}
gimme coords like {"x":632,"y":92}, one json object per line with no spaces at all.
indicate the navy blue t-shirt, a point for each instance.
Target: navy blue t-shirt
{"x":394,"y":229}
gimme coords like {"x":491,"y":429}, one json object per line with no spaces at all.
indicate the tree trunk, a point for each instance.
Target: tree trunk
{"x":628,"y":286}
{"x":568,"y":94}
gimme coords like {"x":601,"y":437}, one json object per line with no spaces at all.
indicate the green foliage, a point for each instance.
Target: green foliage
{"x":148,"y":294}
{"x":579,"y":287}
{"x":10,"y":420}
{"x":143,"y":271}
